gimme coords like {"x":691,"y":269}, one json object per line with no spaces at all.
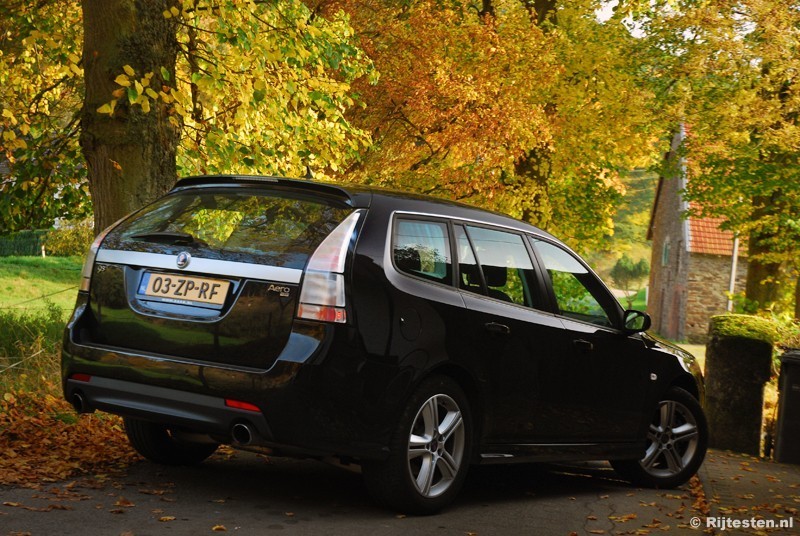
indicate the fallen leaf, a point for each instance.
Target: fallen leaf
{"x":219,"y":528}
{"x":154,"y":491}
{"x":164,"y":519}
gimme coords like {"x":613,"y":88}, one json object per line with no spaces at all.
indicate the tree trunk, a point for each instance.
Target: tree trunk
{"x":763,"y":277}
{"x":763,"y":282}
{"x":130,"y":155}
{"x":797,"y":296}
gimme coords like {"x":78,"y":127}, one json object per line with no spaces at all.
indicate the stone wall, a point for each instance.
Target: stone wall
{"x":707,"y":288}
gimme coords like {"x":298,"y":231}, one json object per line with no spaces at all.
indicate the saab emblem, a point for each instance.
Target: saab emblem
{"x":183,"y":259}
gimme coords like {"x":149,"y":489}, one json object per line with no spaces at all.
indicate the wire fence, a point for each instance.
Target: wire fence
{"x":38,"y":298}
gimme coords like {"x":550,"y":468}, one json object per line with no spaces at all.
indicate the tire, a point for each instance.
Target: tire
{"x":430,"y":451}
{"x":156,"y":443}
{"x":677,"y":439}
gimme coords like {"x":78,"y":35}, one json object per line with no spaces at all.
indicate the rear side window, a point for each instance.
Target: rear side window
{"x":506,"y":266}
{"x":250,"y":226}
{"x":422,"y":249}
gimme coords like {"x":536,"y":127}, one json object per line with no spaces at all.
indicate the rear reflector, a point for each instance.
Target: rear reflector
{"x":81,"y":377}
{"x":238,"y":404}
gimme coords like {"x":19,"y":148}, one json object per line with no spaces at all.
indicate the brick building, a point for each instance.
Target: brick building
{"x":691,"y":263}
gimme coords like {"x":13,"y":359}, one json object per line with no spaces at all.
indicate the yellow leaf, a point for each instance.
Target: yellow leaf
{"x":7,"y":113}
{"x":174,"y":10}
{"x":167,"y":14}
{"x":138,"y":86}
{"x":105,"y":109}
{"x":128,"y":70}
{"x":122,"y":80}
{"x":73,"y":58}
{"x":150,"y":93}
{"x":145,"y":104}
{"x":164,"y":519}
{"x":219,"y":528}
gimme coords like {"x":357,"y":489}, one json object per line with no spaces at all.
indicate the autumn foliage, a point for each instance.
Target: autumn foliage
{"x":43,"y":440}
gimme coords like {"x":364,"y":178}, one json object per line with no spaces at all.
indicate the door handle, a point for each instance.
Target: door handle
{"x":583,"y":344}
{"x":494,"y":327}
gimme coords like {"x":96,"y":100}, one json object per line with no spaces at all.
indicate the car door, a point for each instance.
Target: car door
{"x":507,"y":329}
{"x":601,"y":380}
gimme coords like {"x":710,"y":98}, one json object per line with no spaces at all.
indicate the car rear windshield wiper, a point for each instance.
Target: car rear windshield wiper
{"x":171,"y":237}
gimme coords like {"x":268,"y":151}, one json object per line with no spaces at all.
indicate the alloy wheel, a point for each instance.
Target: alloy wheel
{"x":436,"y":445}
{"x":673,"y":439}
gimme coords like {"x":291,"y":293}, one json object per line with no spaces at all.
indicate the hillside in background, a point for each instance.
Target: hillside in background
{"x":630,"y":225}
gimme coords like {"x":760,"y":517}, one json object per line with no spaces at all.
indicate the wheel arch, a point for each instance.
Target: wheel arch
{"x":687,"y":383}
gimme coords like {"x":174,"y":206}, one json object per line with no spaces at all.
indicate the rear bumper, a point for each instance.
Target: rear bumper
{"x":180,"y":409}
{"x":314,"y":400}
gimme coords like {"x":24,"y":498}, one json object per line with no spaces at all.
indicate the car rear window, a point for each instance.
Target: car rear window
{"x":247,"y":226}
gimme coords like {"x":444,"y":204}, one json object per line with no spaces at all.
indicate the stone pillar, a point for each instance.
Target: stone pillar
{"x":738,"y":364}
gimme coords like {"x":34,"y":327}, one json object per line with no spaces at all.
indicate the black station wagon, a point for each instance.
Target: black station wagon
{"x":407,"y":335}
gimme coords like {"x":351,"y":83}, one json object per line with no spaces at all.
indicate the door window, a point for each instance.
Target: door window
{"x":579,"y":294}
{"x":506,"y":265}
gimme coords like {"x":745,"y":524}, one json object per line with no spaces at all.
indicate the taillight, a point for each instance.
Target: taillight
{"x":322,"y":295}
{"x":88,"y":265}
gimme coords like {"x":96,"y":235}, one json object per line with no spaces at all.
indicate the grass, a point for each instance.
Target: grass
{"x":24,"y":280}
{"x":36,"y":295}
{"x":639,"y":302}
{"x":29,"y":348}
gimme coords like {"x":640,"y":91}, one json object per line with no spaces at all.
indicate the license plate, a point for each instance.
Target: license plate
{"x":182,"y":289}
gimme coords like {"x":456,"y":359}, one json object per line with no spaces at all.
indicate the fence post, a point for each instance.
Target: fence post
{"x":738,"y":364}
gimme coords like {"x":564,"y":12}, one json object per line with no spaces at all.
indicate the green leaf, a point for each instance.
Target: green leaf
{"x":133,"y":95}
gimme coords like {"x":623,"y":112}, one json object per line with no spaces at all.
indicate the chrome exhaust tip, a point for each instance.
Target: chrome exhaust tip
{"x":242,"y":433}
{"x":79,"y":403}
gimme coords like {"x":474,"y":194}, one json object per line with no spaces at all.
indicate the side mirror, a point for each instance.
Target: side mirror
{"x":636,"y":321}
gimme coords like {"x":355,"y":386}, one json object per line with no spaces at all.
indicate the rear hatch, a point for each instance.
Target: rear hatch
{"x":209,"y":273}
